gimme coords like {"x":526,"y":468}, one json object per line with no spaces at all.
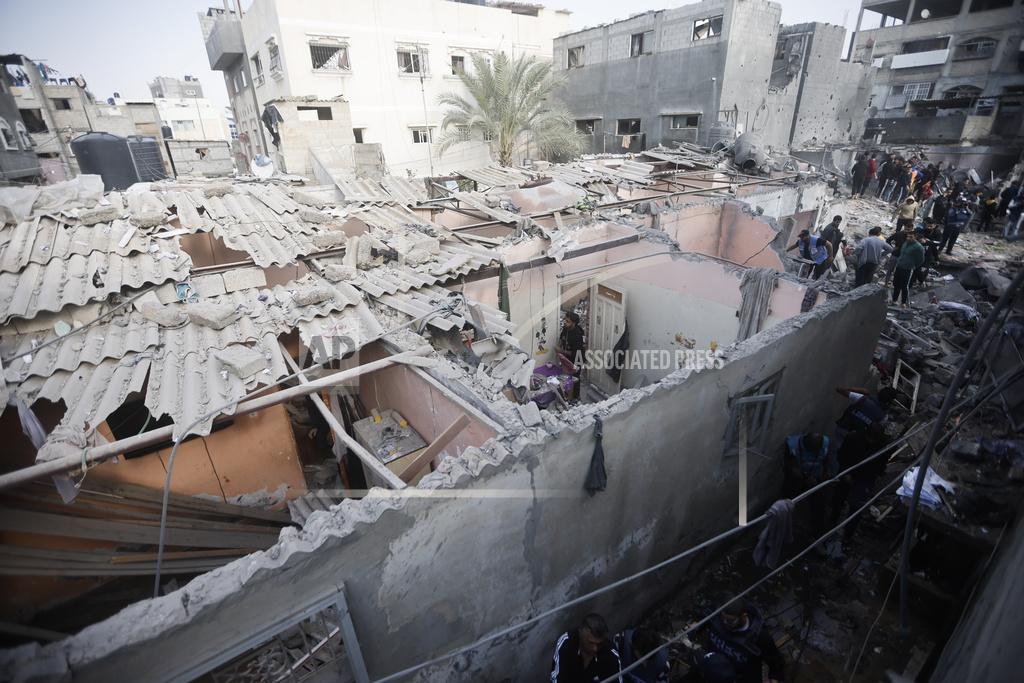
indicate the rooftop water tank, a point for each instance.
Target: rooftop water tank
{"x":721,"y":134}
{"x":107,"y":156}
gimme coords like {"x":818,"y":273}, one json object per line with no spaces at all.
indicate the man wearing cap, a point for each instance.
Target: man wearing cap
{"x":817,"y":249}
{"x":572,"y":346}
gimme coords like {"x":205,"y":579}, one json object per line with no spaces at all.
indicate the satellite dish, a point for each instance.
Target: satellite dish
{"x":262,"y":167}
{"x":872,"y":111}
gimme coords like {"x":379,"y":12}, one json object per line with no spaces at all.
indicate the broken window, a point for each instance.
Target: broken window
{"x":257,"y":69}
{"x":899,"y":95}
{"x":7,"y":135}
{"x":412,"y":62}
{"x":61,"y":103}
{"x":329,"y":55}
{"x":640,"y":44}
{"x":976,"y":48}
{"x":685,"y":121}
{"x":575,"y":57}
{"x":961,"y":91}
{"x":586,"y":126}
{"x":780,"y":50}
{"x":707,"y":28}
{"x":33,"y":119}
{"x":750,"y":414}
{"x":628,"y":127}
{"x":322,"y":113}
{"x":927,"y":45}
{"x":458,"y":65}
{"x":421,"y":135}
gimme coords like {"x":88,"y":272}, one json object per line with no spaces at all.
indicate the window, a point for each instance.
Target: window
{"x":7,"y":135}
{"x":628,"y":127}
{"x":61,"y":103}
{"x":322,"y":113}
{"x":238,"y":81}
{"x":357,"y":133}
{"x":26,"y":141}
{"x":421,"y":135}
{"x":275,"y":61}
{"x":184,"y":125}
{"x":780,"y":50}
{"x":976,"y":48}
{"x":190,"y":93}
{"x":707,"y":28}
{"x":685,"y":121}
{"x":754,"y":407}
{"x":329,"y":55}
{"x":961,"y":91}
{"x":575,"y":57}
{"x":927,"y":45}
{"x":458,"y":65}
{"x":641,"y":44}
{"x":586,"y":126}
{"x":899,"y":95}
{"x":33,"y":119}
{"x":412,"y":62}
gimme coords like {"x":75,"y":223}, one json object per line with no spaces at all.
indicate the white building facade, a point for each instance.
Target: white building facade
{"x":390,"y":59}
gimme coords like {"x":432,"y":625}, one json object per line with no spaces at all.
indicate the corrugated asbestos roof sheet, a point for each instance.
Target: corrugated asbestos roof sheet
{"x":44,"y":238}
{"x":362,"y":190}
{"x":356,"y":325}
{"x":404,"y":190}
{"x":422,"y":301}
{"x":478,"y":201}
{"x":496,"y":176}
{"x":386,"y":216}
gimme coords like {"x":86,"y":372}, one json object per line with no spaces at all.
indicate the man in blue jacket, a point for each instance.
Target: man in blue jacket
{"x":956,"y":219}
{"x":739,"y":633}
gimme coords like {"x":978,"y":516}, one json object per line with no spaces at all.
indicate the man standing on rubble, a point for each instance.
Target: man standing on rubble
{"x":864,"y":410}
{"x":585,"y":654}
{"x":957,"y":218}
{"x":896,"y":240}
{"x":834,"y":235}
{"x":806,"y":464}
{"x":817,"y":249}
{"x":910,"y":259}
{"x":739,"y":633}
{"x":869,"y":254}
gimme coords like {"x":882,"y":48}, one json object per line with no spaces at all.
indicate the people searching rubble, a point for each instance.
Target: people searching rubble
{"x":806,"y":464}
{"x":864,"y":410}
{"x":906,"y":212}
{"x":910,"y":259}
{"x":739,"y":634}
{"x":869,"y":253}
{"x":1007,"y":196}
{"x":834,"y":234}
{"x":856,"y":486}
{"x":860,"y":176}
{"x":957,"y":217}
{"x":585,"y":654}
{"x":927,"y":236}
{"x":941,"y":205}
{"x":633,"y":644}
{"x":573,"y":347}
{"x":897,"y":240}
{"x":816,"y":249}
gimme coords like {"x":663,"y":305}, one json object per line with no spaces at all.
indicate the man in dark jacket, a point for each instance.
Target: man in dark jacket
{"x":911,"y":258}
{"x":856,"y":486}
{"x":860,"y":177}
{"x":834,"y":235}
{"x":572,"y":346}
{"x":585,"y":654}
{"x":739,"y":633}
{"x":956,"y":220}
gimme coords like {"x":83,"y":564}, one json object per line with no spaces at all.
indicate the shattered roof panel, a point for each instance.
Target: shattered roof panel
{"x":421,"y":302}
{"x":357,"y":323}
{"x":78,"y":279}
{"x":361,"y":190}
{"x":266,"y":248}
{"x":387,"y":217}
{"x":43,"y":238}
{"x":478,"y":201}
{"x":496,"y":176}
{"x":404,"y":190}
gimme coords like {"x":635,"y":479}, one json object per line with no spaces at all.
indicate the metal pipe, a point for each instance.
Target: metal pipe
{"x":111,"y":450}
{"x":368,"y":458}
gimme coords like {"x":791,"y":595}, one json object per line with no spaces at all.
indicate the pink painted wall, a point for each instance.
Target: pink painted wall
{"x":427,"y":409}
{"x":745,"y":238}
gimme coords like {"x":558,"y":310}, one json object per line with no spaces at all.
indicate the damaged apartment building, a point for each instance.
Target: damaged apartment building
{"x":707,"y":71}
{"x":169,"y":334}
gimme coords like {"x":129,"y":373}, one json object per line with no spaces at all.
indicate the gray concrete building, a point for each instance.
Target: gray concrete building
{"x":669,"y":75}
{"x":174,"y":88}
{"x":949,"y":72}
{"x":18,"y":162}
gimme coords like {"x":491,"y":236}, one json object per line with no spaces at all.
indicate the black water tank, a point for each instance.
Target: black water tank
{"x":107,"y":156}
{"x":148,"y":161}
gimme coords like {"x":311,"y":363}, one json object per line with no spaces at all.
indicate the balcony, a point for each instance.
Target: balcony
{"x":930,"y":58}
{"x":225,"y":44}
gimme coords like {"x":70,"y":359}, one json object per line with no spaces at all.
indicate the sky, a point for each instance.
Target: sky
{"x":122,"y":45}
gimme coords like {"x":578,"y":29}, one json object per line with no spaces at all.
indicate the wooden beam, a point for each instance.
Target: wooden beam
{"x":435,"y":447}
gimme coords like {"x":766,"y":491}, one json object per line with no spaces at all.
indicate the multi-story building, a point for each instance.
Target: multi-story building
{"x":389,"y":60}
{"x":186,"y":112}
{"x":949,"y":72}
{"x":675,"y":75}
{"x":18,"y":162}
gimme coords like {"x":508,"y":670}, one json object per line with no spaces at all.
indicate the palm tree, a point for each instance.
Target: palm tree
{"x":511,"y":108}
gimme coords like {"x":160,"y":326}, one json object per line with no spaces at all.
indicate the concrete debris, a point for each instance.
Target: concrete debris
{"x":241,"y":361}
{"x":364,"y":257}
{"x":214,"y":315}
{"x":338,"y":273}
{"x":166,"y":316}
{"x":329,"y":240}
{"x":307,"y":199}
{"x":417,"y":257}
{"x":530,"y":414}
{"x":102,"y":214}
{"x":312,"y":295}
{"x":311,"y":216}
{"x":148,"y":219}
{"x":217,"y":190}
{"x":244,"y":278}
